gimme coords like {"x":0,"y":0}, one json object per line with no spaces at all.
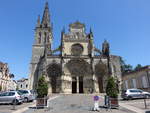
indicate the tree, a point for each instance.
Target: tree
{"x":138,"y":66}
{"x":42,"y":88}
{"x":17,"y":88}
{"x":125,"y":67}
{"x":128,"y":68}
{"x":12,"y":75}
{"x":111,"y":88}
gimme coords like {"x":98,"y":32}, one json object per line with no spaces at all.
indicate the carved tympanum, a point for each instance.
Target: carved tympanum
{"x":76,"y":49}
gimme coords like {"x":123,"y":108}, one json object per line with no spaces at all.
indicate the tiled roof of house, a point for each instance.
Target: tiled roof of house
{"x":135,"y":71}
{"x":22,"y":80}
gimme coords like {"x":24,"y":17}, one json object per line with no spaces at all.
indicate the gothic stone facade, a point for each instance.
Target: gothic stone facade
{"x":78,"y":68}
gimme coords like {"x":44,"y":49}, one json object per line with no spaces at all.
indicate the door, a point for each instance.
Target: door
{"x":3,"y":98}
{"x":54,"y":84}
{"x":100,"y":84}
{"x":10,"y":97}
{"x":74,"y":85}
{"x":80,"y":84}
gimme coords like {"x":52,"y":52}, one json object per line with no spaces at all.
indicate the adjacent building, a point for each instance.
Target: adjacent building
{"x":22,"y":84}
{"x":5,"y":76}
{"x":76,"y":66}
{"x":137,"y":79}
{"x":12,"y":85}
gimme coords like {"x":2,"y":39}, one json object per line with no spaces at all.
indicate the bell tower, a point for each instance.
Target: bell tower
{"x":42,"y":42}
{"x":43,"y":30}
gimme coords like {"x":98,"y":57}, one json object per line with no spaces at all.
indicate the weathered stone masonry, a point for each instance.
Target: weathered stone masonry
{"x":79,"y":67}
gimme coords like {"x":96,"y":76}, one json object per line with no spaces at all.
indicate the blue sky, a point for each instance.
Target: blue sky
{"x":124,"y":23}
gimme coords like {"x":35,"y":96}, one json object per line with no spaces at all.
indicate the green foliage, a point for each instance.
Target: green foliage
{"x":125,"y":67}
{"x":42,"y":88}
{"x":0,"y":88}
{"x":17,"y":88}
{"x":111,"y":88}
{"x":138,"y":67}
{"x":12,"y":75}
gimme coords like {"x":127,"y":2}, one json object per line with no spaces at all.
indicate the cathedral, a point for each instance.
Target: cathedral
{"x":76,"y":66}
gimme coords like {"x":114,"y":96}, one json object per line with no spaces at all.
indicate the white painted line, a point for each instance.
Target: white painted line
{"x":132,"y":108}
{"x":23,"y":109}
{"x":27,"y":107}
{"x":53,"y":98}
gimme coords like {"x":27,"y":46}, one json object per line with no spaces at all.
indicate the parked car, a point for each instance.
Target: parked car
{"x":28,"y":95}
{"x":11,"y":97}
{"x":134,"y":93}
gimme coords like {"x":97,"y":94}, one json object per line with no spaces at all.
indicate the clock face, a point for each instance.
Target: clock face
{"x":77,"y":49}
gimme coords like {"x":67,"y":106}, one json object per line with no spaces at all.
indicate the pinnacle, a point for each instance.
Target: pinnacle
{"x":46,"y":5}
{"x":46,"y":16}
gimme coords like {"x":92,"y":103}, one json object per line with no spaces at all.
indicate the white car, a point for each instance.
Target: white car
{"x":27,"y":95}
{"x":13,"y":97}
{"x":134,"y":93}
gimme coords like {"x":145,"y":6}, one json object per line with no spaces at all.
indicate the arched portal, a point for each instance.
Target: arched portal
{"x":54,"y":73}
{"x":101,"y":70}
{"x":79,"y":70}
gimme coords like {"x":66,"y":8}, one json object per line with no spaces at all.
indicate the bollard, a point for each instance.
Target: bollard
{"x":14,"y":104}
{"x":145,"y":103}
{"x":107,"y":101}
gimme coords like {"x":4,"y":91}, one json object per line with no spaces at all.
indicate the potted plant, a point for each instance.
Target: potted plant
{"x":42,"y":91}
{"x":112,"y":92}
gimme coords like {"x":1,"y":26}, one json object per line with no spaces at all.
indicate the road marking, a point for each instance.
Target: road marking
{"x":132,"y":108}
{"x":53,"y":98}
{"x":27,"y":107}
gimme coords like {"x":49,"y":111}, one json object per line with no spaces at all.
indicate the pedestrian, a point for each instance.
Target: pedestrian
{"x":96,"y":103}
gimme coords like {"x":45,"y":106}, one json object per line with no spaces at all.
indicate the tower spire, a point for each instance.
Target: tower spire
{"x":91,"y":33}
{"x":46,"y":16}
{"x":38,"y":21}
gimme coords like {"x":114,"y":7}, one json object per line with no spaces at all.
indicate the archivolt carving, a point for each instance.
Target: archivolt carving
{"x":78,"y":67}
{"x":54,"y":70}
{"x":101,"y":69}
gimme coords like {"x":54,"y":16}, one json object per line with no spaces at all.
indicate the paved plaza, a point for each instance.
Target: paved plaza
{"x":18,"y":108}
{"x":137,"y":105}
{"x":75,"y":104}
{"x":78,"y":103}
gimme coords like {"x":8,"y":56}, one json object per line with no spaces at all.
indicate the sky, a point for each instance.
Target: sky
{"x":124,"y":23}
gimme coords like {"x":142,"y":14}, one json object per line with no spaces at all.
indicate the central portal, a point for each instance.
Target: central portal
{"x":77,"y":85}
{"x":78,"y":69}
